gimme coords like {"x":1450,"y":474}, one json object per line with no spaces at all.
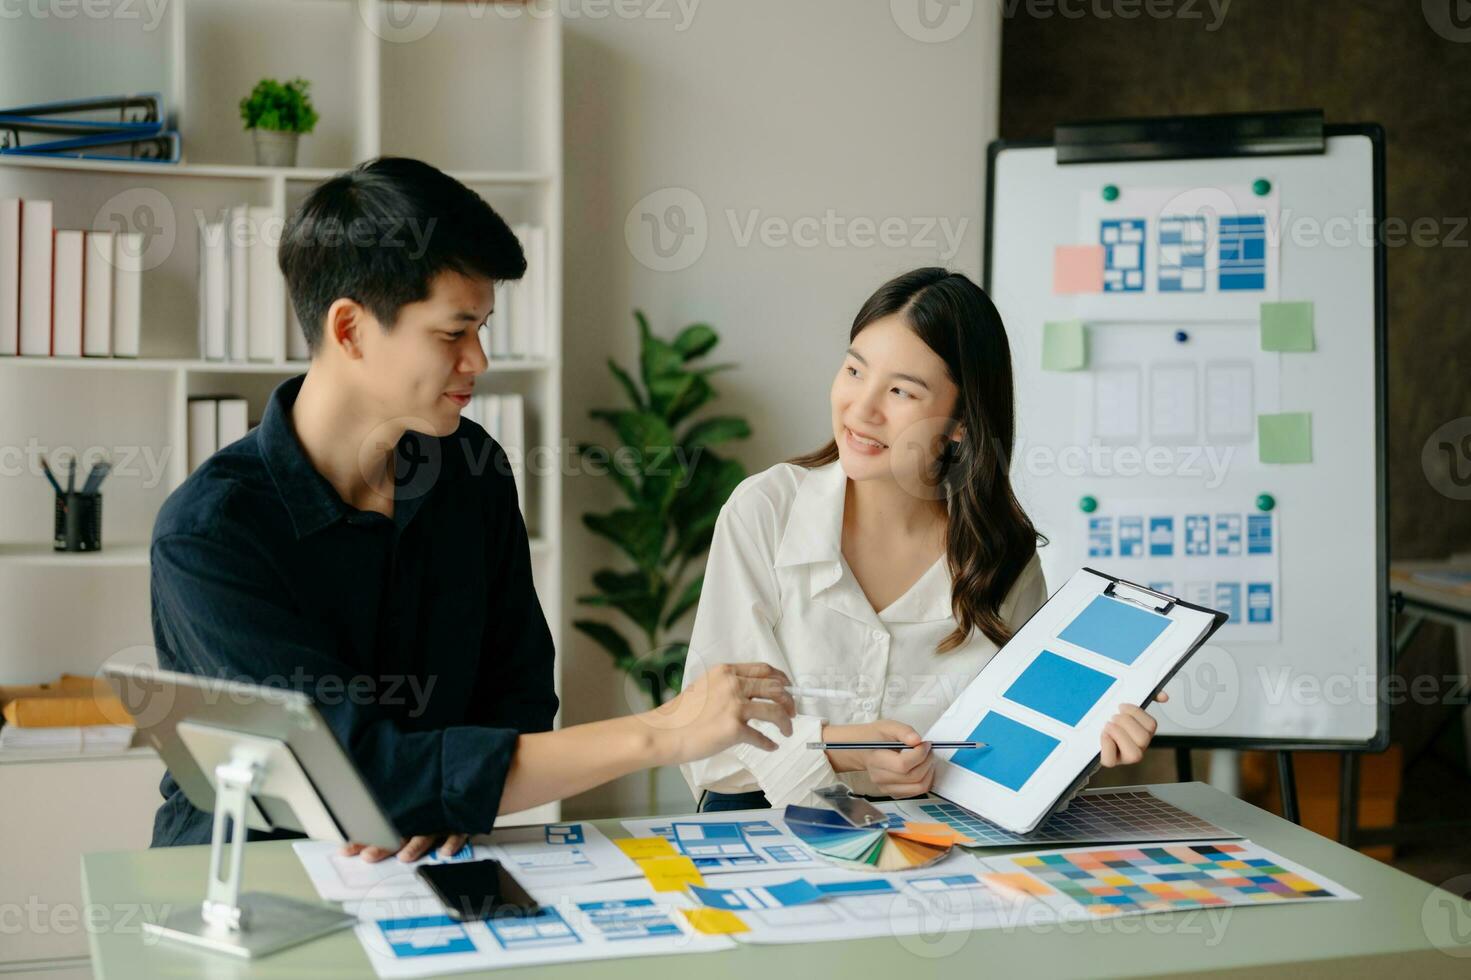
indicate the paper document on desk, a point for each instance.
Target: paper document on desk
{"x":948,"y":898}
{"x":542,"y":854}
{"x":734,"y":840}
{"x":338,"y":877}
{"x":560,"y":853}
{"x":414,"y":938}
{"x":1090,"y":883}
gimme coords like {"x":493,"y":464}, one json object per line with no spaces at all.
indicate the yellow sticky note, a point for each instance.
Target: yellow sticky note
{"x":670,"y":874}
{"x":714,"y":922}
{"x":645,"y":847}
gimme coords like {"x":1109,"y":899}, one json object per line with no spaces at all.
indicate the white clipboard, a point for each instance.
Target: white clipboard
{"x":1042,"y":701}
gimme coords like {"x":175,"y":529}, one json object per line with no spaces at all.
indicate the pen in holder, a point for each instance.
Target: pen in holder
{"x":78,"y":521}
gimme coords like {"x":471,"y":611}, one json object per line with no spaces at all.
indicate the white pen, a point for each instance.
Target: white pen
{"x":821,"y":693}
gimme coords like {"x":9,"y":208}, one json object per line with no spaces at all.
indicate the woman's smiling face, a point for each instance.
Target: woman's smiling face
{"x":893,"y":405}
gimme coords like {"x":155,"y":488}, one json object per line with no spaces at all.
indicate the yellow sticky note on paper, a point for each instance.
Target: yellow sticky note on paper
{"x":645,"y":847}
{"x":714,"y":922}
{"x":670,"y":874}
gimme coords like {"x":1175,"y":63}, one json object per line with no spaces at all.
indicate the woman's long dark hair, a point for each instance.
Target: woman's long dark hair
{"x":989,"y":538}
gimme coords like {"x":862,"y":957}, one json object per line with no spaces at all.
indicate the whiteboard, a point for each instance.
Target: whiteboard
{"x":1159,"y":430}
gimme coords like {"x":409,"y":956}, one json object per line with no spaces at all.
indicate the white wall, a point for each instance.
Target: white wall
{"x":784,"y":110}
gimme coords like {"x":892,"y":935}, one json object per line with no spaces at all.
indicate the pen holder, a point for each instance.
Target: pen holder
{"x":78,"y":522}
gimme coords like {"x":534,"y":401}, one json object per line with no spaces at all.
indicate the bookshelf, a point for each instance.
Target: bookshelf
{"x":493,"y":74}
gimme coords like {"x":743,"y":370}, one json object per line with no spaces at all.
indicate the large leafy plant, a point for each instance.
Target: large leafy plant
{"x":673,"y":484}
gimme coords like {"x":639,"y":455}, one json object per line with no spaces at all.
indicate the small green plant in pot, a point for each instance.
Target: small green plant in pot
{"x":277,"y":113}
{"x":673,"y":484}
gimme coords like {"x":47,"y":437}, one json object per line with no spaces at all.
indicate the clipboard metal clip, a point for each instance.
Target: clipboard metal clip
{"x":1116,"y":590}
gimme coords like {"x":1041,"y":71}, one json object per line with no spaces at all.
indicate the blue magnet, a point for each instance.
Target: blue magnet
{"x":1181,"y":336}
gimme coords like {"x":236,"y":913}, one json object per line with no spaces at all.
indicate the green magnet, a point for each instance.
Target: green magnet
{"x":1265,"y":501}
{"x":1088,"y":505}
{"x":1110,"y":192}
{"x":1261,"y":187}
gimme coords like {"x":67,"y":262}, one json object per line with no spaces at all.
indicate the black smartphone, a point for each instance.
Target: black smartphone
{"x":473,"y":890}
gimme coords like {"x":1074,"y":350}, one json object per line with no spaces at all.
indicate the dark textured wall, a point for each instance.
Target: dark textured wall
{"x":1400,"y":63}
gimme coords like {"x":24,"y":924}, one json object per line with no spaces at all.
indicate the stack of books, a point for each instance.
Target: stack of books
{"x":240,"y":288}
{"x":70,"y":715}
{"x":66,"y":293}
{"x":110,"y":127}
{"x":518,"y":325}
{"x":214,"y":422}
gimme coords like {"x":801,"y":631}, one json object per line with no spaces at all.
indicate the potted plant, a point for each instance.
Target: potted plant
{"x":674,"y":485}
{"x":277,"y":113}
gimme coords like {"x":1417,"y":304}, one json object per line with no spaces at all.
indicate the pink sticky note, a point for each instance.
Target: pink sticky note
{"x":1077,"y":269}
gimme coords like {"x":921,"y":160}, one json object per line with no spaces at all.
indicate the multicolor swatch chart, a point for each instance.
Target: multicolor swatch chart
{"x":1096,"y":817}
{"x":896,"y":845}
{"x":1163,"y":878}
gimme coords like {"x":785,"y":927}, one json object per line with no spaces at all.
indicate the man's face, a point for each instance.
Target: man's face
{"x":422,"y":371}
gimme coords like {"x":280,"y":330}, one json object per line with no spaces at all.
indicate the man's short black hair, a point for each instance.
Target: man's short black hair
{"x":381,"y":232}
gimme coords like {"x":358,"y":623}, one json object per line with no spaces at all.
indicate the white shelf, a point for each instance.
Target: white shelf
{"x":528,"y":365}
{"x":22,"y":757}
{"x":42,"y":554}
{"x":529,"y":178}
{"x":497,"y":85}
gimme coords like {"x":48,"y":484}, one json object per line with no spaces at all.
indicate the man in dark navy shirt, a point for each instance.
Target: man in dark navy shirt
{"x":364,"y":544}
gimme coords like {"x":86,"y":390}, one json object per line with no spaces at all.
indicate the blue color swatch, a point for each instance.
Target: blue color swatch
{"x":1012,"y":753}
{"x":1059,"y":688}
{"x":1114,"y":629}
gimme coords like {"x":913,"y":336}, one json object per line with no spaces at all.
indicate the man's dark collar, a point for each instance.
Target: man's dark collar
{"x":311,"y":501}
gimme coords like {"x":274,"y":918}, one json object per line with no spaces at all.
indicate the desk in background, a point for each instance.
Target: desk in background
{"x":1392,"y":931}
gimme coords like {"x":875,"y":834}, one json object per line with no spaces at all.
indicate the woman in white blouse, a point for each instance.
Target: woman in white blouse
{"x":891,"y":564}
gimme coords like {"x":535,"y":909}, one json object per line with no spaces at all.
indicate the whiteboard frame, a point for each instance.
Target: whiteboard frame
{"x":1384,"y":661}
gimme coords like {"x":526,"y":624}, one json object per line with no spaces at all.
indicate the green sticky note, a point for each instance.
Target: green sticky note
{"x":1287,"y":327}
{"x":1064,"y":346}
{"x":1285,"y":438}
